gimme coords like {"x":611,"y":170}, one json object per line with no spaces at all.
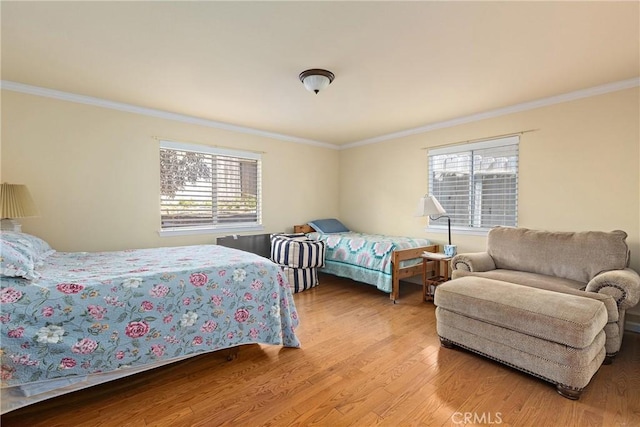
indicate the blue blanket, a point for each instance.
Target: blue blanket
{"x":365,"y":257}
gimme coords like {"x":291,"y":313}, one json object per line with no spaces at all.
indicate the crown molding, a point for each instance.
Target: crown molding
{"x":103,"y":103}
{"x":129,"y":108}
{"x":543,"y":102}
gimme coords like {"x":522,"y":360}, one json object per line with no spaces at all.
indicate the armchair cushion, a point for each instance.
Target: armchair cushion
{"x":577,"y":256}
{"x":549,"y":283}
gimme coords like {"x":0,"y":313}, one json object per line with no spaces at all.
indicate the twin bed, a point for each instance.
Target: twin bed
{"x":73,"y":320}
{"x":378,"y":260}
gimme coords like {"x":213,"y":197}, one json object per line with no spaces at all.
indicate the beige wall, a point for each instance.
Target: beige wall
{"x":94,"y":175}
{"x":93,"y":172}
{"x":579,"y":171}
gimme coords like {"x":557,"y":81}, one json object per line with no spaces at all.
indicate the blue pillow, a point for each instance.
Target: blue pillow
{"x":328,"y":226}
{"x":36,"y":248}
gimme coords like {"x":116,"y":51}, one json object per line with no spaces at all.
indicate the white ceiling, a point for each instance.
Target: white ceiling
{"x":398,"y":65}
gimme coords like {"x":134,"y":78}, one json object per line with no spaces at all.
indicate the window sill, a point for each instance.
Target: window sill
{"x":209,"y":230}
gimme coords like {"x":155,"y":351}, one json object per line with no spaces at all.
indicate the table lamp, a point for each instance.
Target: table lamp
{"x":429,"y":206}
{"x":15,"y":202}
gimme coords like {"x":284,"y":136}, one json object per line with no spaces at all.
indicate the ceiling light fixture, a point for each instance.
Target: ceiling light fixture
{"x":316,"y":79}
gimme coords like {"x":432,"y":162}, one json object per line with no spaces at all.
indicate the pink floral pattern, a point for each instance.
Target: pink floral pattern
{"x":98,"y":312}
{"x":9,"y":295}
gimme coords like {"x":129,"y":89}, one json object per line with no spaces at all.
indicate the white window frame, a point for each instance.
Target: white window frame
{"x":475,"y":216}
{"x":215,"y":228}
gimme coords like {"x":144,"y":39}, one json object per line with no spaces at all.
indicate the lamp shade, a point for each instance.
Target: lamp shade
{"x":429,"y":205}
{"x":16,"y":202}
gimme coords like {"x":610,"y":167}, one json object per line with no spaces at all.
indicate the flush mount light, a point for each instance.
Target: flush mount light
{"x":316,"y":79}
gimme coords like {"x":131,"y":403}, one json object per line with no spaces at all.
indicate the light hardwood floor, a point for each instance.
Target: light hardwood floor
{"x":364,"y":361}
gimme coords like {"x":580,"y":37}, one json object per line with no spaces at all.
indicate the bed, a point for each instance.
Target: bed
{"x":72,"y":320}
{"x":378,"y":260}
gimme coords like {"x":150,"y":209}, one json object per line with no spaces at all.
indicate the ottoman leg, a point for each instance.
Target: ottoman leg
{"x":446,"y":343}
{"x":568,"y":392}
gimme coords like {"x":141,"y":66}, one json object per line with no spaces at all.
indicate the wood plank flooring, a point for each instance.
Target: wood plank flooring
{"x":364,"y":362}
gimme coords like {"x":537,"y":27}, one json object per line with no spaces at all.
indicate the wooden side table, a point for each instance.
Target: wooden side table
{"x":441,"y":267}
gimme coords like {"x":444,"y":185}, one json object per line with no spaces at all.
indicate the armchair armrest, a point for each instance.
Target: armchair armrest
{"x":474,"y":261}
{"x":622,"y":285}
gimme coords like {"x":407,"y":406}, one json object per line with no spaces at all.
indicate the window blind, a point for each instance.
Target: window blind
{"x":477,"y":183}
{"x":208,"y":187}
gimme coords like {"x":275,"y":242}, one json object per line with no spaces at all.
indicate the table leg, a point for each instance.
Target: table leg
{"x":424,"y":279}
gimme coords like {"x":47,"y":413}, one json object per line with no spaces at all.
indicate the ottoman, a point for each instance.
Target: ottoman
{"x":299,"y":258}
{"x":554,"y":336}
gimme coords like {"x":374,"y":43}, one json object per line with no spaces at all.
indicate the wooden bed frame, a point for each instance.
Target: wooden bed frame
{"x":398,"y":273}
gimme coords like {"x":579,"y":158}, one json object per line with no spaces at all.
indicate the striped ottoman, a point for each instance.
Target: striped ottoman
{"x":299,"y":258}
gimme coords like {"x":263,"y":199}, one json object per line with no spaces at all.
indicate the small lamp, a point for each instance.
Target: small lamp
{"x":428,"y":206}
{"x":15,"y":202}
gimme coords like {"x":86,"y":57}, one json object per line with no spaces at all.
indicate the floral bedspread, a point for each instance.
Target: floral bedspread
{"x":98,"y":312}
{"x":365,"y":257}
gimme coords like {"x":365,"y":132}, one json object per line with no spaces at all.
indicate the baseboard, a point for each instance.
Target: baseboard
{"x":632,"y":323}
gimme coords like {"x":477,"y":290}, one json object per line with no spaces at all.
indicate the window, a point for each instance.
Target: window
{"x":476,"y":183}
{"x":208,"y":188}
